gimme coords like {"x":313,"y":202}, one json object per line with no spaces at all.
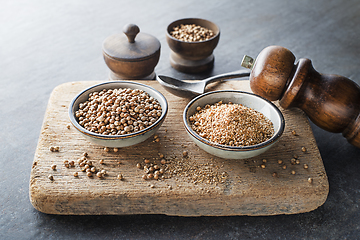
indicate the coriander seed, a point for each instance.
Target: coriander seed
{"x":303,"y":149}
{"x":99,"y":175}
{"x":120,"y":176}
{"x":53,"y":167}
{"x":76,"y":174}
{"x":310,"y":180}
{"x":89,"y":174}
{"x":138,"y":166}
{"x":293,"y":172}
{"x":51,"y":177}
{"x":306,"y":166}
{"x":101,"y":161}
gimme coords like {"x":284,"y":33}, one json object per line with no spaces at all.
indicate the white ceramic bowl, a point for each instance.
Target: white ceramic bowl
{"x":118,"y":141}
{"x":247,"y":99}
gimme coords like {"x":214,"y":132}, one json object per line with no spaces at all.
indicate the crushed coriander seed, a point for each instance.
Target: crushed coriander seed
{"x":231,"y":124}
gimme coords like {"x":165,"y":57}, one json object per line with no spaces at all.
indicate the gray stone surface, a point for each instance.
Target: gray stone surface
{"x":46,"y":43}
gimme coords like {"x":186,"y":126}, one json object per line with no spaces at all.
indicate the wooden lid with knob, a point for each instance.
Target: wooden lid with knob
{"x":331,"y":101}
{"x":132,"y":54}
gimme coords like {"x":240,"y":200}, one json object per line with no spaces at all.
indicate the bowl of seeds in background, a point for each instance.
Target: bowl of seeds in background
{"x":192,"y":42}
{"x":233,"y":124}
{"x":119,"y":113}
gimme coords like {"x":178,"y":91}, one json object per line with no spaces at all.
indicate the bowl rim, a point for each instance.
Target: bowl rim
{"x":266,"y":143}
{"x":197,"y":42}
{"x":115,"y":137}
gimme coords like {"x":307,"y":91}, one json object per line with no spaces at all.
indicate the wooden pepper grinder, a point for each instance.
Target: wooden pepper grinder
{"x":332,"y":102}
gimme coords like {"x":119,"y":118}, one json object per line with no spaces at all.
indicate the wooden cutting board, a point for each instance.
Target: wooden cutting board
{"x":241,"y":187}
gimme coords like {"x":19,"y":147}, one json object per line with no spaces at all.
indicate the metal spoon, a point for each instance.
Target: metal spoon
{"x":190,"y":89}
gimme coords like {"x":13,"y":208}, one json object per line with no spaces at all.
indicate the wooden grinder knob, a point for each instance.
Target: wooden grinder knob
{"x":332,"y":102}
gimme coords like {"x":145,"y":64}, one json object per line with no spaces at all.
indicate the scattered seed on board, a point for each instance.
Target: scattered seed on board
{"x":101,"y":161}
{"x":120,"y":177}
{"x":106,"y":149}
{"x":306,"y":166}
{"x":99,"y":175}
{"x":303,"y":149}
{"x":89,"y":174}
{"x":293,"y":172}
{"x":284,"y":167}
{"x":280,"y":161}
{"x":263,"y":166}
{"x":116,"y":149}
{"x":138,"y":166}
{"x":76,"y":174}
{"x":53,"y":167}
{"x":54,"y":149}
{"x":310,"y":180}
{"x":51,"y":177}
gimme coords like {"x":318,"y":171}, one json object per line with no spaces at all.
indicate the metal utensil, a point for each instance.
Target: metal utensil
{"x":190,"y":89}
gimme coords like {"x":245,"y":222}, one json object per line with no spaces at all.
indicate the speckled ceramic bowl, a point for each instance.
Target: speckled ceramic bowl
{"x":247,"y":99}
{"x":125,"y":140}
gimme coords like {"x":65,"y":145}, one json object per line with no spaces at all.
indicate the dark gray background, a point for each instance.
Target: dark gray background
{"x":46,"y":43}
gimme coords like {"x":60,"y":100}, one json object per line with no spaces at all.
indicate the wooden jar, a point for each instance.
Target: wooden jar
{"x":132,"y":55}
{"x":332,"y":102}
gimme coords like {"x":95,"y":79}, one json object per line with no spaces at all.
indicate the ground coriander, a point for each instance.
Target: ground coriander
{"x":231,"y":124}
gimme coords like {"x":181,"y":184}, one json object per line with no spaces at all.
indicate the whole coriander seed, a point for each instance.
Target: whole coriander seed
{"x":120,"y":176}
{"x":303,"y":149}
{"x":306,"y":166}
{"x":138,"y":166}
{"x":99,"y":175}
{"x":310,"y":180}
{"x":51,"y":177}
{"x":53,"y":167}
{"x":76,"y":174}
{"x":293,"y":172}
{"x":89,"y":174}
{"x":101,"y":161}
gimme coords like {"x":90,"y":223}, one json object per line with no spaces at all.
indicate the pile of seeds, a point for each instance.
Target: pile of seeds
{"x":231,"y":124}
{"x":118,"y":111}
{"x":191,"y":33}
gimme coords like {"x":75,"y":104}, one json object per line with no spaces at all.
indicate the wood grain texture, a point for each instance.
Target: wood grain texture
{"x":248,"y":190}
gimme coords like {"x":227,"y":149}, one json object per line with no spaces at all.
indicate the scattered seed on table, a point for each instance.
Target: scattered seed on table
{"x":284,"y":167}
{"x":53,"y":167}
{"x":293,"y":172}
{"x":99,"y":174}
{"x":101,"y":161}
{"x":280,"y":161}
{"x":106,"y":149}
{"x":146,"y":161}
{"x":76,"y":174}
{"x":310,"y":180}
{"x":51,"y":177}
{"x":306,"y":166}
{"x":138,"y":166}
{"x":303,"y":149}
{"x":116,"y":149}
{"x":120,"y":176}
{"x":89,"y":174}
